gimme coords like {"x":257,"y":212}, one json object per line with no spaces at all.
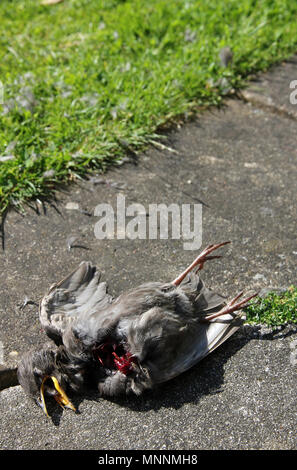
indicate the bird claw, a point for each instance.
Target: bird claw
{"x":199,"y":261}
{"x":207,"y":258}
{"x":231,"y":306}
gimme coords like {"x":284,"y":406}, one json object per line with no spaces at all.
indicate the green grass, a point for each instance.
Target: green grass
{"x":83,"y":77}
{"x":274,"y":310}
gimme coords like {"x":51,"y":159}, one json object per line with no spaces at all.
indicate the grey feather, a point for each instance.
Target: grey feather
{"x":78,"y":295}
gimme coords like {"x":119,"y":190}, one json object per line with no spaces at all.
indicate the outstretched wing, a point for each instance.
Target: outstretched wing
{"x":79,"y":294}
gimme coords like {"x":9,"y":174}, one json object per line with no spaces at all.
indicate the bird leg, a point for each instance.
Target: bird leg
{"x":199,"y":261}
{"x":231,"y":306}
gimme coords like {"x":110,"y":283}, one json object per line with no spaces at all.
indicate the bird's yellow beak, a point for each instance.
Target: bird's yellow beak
{"x":60,"y":397}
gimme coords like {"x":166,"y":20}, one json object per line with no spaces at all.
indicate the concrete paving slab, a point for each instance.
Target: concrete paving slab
{"x":277,"y":89}
{"x":240,"y":397}
{"x":239,"y":164}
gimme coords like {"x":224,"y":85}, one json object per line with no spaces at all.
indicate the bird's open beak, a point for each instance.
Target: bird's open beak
{"x":60,"y":396}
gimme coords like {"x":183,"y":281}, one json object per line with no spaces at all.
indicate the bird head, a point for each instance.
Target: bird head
{"x":40,"y":376}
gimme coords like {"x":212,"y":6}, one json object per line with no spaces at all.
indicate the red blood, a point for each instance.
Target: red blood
{"x":113,"y":356}
{"x":123,"y":363}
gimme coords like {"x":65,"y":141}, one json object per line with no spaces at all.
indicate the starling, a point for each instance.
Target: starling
{"x":144,"y":337}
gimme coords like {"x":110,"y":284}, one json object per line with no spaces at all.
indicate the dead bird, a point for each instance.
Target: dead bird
{"x":144,"y":337}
